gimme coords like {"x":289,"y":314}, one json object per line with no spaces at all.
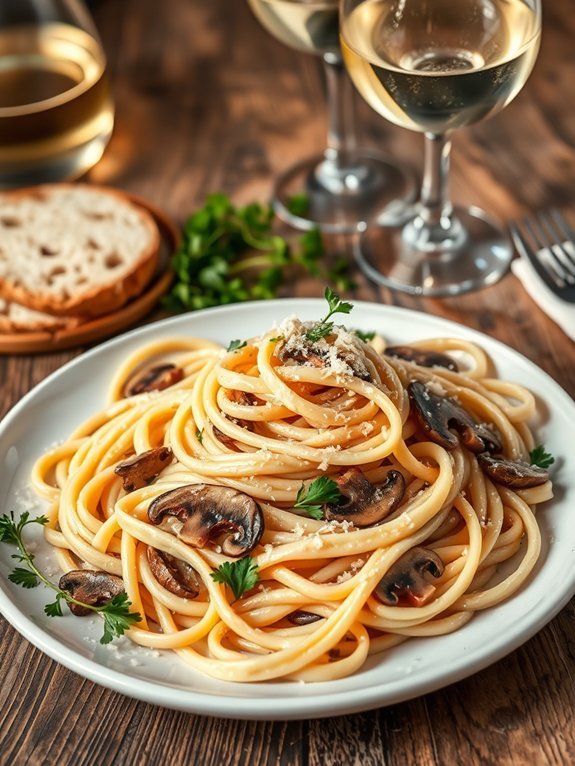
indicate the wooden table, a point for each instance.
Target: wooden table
{"x":207,"y":101}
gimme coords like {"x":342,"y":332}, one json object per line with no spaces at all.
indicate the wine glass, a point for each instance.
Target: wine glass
{"x":345,"y":185}
{"x":56,"y":112}
{"x":433,"y":66}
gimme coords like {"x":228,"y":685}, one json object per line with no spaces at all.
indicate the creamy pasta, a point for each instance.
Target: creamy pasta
{"x":412,"y":541}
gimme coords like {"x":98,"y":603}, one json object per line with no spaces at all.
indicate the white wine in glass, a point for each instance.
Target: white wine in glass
{"x":56,"y":112}
{"x":345,"y":185}
{"x":434,"y":66}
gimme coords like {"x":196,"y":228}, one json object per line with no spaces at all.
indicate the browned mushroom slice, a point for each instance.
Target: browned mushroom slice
{"x":366,"y":504}
{"x":173,"y":574}
{"x":244,"y":398}
{"x":303,"y":353}
{"x":300,"y":617}
{"x":226,"y":440}
{"x":90,"y":586}
{"x":406,"y":579}
{"x":312,"y":355}
{"x":153,"y":379}
{"x":438,"y":414}
{"x":422,"y":357}
{"x":200,"y":513}
{"x":142,"y":469}
{"x":512,"y":473}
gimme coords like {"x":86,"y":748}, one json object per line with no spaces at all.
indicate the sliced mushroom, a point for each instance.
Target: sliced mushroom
{"x":438,"y":414}
{"x":90,"y":586}
{"x":244,"y":398}
{"x":229,"y":441}
{"x":300,"y":617}
{"x":406,"y":578}
{"x":200,"y":513}
{"x":366,"y":504}
{"x":302,"y":351}
{"x":302,"y":355}
{"x":153,"y":379}
{"x":226,"y":440}
{"x":512,"y":473}
{"x":422,"y":357}
{"x":173,"y":574}
{"x":142,"y":469}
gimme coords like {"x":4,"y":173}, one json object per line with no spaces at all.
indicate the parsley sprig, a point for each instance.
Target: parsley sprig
{"x":321,"y":491}
{"x":231,"y":254}
{"x":240,"y":576}
{"x":365,"y":336}
{"x":540,"y":457}
{"x":235,"y":345}
{"x":325,"y":327}
{"x":116,"y":613}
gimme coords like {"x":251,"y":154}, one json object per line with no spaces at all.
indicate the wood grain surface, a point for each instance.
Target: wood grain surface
{"x":207,"y":101}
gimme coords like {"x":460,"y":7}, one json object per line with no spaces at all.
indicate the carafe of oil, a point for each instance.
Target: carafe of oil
{"x":56,"y":112}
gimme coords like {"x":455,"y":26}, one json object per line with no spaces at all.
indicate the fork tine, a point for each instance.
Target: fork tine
{"x":557,"y":247}
{"x":524,"y":245}
{"x":562,"y":223}
{"x":543,"y":253}
{"x":567,"y":237}
{"x":548,"y":243}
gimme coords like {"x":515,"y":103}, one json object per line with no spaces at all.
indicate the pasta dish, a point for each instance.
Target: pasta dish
{"x":289,"y":506}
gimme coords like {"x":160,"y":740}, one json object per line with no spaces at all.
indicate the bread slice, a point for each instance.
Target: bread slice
{"x":74,"y":249}
{"x":15,"y":318}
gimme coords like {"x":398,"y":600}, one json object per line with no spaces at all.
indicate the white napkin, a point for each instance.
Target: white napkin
{"x":560,"y":311}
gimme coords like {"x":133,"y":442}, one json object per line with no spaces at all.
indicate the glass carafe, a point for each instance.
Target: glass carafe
{"x":56,"y":111}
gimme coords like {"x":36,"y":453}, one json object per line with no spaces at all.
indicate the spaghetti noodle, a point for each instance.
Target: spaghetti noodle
{"x":260,"y":423}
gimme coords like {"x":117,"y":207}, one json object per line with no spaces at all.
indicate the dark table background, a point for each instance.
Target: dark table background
{"x":207,"y":101}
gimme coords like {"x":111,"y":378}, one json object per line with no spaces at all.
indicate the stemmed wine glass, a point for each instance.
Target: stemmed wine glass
{"x":433,"y":66}
{"x":345,"y":185}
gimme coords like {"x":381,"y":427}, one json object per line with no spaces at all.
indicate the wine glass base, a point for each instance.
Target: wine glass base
{"x":342,"y":200}
{"x":480,"y":256}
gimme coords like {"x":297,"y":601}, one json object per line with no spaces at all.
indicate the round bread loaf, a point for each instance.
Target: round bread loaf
{"x":74,"y":250}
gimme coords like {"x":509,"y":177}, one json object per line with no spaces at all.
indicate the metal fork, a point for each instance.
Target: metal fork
{"x":548,"y":242}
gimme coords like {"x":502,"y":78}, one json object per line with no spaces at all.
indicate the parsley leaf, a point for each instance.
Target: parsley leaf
{"x":240,"y":576}
{"x":540,"y":457}
{"x":298,"y":204}
{"x":117,"y":617}
{"x":200,"y":435}
{"x":10,"y":530}
{"x":116,"y":613}
{"x":235,"y":345}
{"x":54,"y":609}
{"x":365,"y":336}
{"x":321,"y":491}
{"x":325,"y":327}
{"x":24,"y":577}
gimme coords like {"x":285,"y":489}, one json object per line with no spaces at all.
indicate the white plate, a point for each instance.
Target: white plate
{"x":51,"y":411}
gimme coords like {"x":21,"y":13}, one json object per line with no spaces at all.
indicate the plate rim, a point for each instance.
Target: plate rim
{"x":323,"y":702}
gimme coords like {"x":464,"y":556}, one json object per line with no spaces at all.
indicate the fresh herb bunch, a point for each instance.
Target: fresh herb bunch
{"x":321,"y":491}
{"x":240,"y":576}
{"x":230,"y":254}
{"x":116,"y":613}
{"x":540,"y":457}
{"x":335,"y":306}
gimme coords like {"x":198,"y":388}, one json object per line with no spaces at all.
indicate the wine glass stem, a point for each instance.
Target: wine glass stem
{"x":435,"y":206}
{"x":341,"y":111}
